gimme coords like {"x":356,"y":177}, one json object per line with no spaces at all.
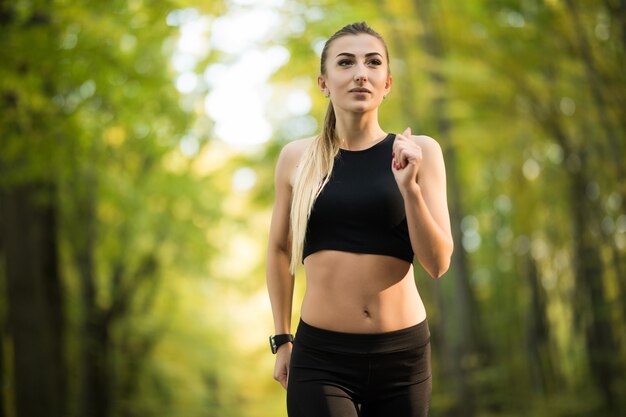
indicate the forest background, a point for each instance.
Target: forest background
{"x":138,"y":141}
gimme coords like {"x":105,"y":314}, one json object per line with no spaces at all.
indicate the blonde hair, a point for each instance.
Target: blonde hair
{"x":317,"y":161}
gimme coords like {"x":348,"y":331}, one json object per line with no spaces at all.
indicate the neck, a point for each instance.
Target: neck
{"x":357,"y":130}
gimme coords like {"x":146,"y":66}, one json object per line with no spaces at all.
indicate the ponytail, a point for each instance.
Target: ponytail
{"x":312,"y":174}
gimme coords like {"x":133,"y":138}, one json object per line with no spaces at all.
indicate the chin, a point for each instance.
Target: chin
{"x":364,"y":109}
{"x":360,"y":108}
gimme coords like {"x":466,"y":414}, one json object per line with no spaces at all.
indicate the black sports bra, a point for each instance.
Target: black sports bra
{"x":361,"y":208}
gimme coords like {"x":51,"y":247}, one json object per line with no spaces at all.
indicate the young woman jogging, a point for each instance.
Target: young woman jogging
{"x":356,"y":205}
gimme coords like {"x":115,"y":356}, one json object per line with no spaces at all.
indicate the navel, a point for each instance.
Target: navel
{"x":366,"y":313}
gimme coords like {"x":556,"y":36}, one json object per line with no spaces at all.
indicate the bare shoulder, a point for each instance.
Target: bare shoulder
{"x":289,"y":157}
{"x":295,"y":148}
{"x":432,"y":155}
{"x":428,"y":144}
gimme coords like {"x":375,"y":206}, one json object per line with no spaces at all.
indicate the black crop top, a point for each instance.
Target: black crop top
{"x":361,"y":208}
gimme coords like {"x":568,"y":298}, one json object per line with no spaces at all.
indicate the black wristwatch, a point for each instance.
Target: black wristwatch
{"x":278,"y":340}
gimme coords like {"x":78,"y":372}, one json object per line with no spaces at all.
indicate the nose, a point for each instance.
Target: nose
{"x":359,"y":75}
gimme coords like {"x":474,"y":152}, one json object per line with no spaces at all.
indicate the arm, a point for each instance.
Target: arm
{"x":280,"y":282}
{"x":425,"y":203}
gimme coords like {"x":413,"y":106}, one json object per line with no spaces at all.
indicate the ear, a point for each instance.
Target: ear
{"x":321,"y":83}
{"x":388,"y":84}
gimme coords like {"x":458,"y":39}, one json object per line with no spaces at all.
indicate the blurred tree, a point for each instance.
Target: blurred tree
{"x":29,"y":213}
{"x":91,"y":124}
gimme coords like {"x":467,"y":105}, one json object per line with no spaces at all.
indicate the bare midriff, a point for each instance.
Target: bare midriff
{"x":360,"y":293}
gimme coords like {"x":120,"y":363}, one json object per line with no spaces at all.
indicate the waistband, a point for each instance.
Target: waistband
{"x":363,"y":343}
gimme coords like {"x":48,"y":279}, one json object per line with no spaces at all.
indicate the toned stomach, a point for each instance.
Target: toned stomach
{"x":360,"y":293}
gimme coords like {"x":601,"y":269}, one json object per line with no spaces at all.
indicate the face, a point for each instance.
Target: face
{"x":357,"y":75}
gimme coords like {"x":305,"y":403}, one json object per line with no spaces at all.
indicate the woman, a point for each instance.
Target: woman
{"x":355,"y":205}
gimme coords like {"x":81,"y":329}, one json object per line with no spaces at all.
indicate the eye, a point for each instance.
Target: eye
{"x":344,"y":62}
{"x":375,"y":61}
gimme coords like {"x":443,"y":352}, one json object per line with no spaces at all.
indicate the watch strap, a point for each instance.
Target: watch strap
{"x":278,"y":340}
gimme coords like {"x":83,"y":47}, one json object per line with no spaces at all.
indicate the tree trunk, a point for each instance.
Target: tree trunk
{"x":538,"y":333}
{"x":94,"y":387}
{"x":35,"y":304}
{"x":589,"y":276}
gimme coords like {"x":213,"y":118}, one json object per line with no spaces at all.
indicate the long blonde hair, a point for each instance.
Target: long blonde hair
{"x":316,"y":164}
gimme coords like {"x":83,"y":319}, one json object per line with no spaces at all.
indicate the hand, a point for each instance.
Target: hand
{"x":406,"y":161}
{"x":281,"y":369}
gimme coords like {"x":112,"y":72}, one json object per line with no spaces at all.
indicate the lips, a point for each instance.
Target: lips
{"x":360,"y":90}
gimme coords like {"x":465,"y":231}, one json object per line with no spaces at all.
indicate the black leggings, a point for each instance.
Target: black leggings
{"x":334,"y":374}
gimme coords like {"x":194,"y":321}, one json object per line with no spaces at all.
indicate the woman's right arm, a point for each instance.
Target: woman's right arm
{"x":280,"y":282}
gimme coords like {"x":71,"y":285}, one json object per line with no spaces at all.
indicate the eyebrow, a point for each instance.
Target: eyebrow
{"x":352,"y":55}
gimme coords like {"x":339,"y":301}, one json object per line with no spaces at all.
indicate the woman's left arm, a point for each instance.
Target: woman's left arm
{"x":419,"y":169}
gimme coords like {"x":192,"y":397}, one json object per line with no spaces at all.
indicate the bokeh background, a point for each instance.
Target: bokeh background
{"x":138,"y":141}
